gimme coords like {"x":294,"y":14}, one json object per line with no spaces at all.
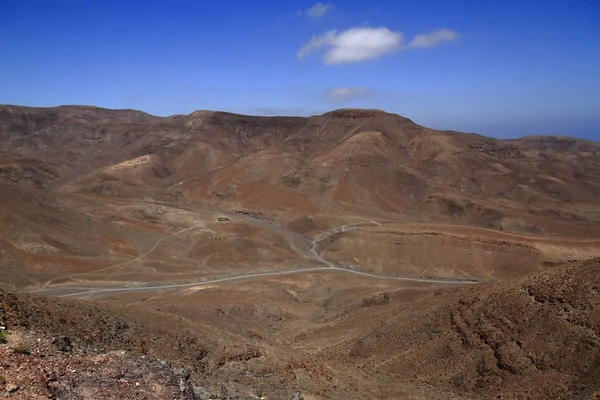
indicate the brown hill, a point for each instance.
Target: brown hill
{"x":80,"y":184}
{"x":349,"y":161}
{"x":533,"y":338}
{"x":283,"y":254}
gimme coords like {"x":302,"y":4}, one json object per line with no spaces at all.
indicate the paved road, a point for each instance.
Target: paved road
{"x":344,"y":228}
{"x":303,"y":246}
{"x":87,"y":292}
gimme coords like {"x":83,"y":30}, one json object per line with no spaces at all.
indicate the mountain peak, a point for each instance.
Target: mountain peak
{"x":356,"y":113}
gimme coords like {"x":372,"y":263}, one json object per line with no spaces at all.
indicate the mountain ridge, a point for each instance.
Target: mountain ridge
{"x":207,"y":213}
{"x":221,"y":157}
{"x":336,"y":113}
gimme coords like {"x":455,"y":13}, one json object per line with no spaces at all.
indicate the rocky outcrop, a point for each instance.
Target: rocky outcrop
{"x":35,"y":366}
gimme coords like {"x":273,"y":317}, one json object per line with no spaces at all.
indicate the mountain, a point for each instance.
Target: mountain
{"x":354,"y":254}
{"x":364,"y":162}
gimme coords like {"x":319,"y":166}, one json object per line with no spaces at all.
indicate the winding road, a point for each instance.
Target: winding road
{"x":303,"y":246}
{"x":87,"y":292}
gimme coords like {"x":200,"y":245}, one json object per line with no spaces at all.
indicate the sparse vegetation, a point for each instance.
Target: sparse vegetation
{"x":2,"y":337}
{"x":21,"y":348}
{"x":376,"y":300}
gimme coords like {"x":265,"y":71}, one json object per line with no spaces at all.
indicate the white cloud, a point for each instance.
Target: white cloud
{"x":343,"y":94}
{"x":354,"y":45}
{"x":433,"y":38}
{"x":318,"y":10}
{"x":363,"y":43}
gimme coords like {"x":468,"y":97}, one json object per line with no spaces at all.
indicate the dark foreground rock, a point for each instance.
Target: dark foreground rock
{"x":32,"y":366}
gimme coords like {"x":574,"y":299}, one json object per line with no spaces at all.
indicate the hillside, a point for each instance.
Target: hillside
{"x":351,"y":161}
{"x":532,"y":338}
{"x":354,"y":254}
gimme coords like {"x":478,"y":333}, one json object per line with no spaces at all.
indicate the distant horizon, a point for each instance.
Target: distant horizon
{"x":311,"y":115}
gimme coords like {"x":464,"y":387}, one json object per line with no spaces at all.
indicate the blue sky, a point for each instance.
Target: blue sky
{"x":504,"y":69}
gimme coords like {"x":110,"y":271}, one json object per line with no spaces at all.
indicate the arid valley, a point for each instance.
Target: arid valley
{"x":349,"y":255}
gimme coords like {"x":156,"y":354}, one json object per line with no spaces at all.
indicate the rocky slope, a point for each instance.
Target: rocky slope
{"x":36,"y":366}
{"x":533,"y":338}
{"x":352,"y":161}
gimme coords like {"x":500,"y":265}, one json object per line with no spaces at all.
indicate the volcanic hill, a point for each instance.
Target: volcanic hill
{"x":354,"y":254}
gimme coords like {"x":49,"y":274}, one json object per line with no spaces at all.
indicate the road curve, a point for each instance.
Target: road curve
{"x":297,"y":242}
{"x":101,"y":292}
{"x":305,"y":247}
